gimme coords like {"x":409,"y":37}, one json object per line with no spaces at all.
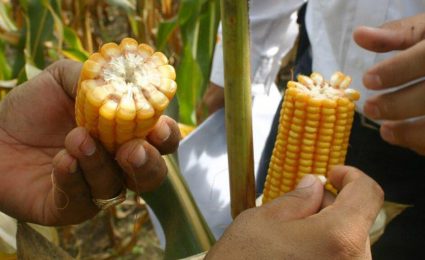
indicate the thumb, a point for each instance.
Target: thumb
{"x":302,"y":202}
{"x":67,"y":74}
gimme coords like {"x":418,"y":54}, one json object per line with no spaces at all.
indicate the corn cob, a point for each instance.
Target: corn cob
{"x":314,"y":129}
{"x":123,"y":89}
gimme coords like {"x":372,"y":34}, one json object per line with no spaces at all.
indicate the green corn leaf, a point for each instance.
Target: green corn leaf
{"x":185,"y":229}
{"x":6,"y":22}
{"x":189,"y":9}
{"x":55,"y":12}
{"x":164,"y":31}
{"x":198,"y":22}
{"x":22,"y":76}
{"x":208,"y":23}
{"x":189,"y":79}
{"x":134,"y":24}
{"x":75,"y":55}
{"x":39,"y":28}
{"x":53,"y":54}
{"x":5,"y":70}
{"x":73,"y":47}
{"x":72,"y":40}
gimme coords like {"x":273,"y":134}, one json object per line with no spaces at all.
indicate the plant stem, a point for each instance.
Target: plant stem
{"x":234,"y":17}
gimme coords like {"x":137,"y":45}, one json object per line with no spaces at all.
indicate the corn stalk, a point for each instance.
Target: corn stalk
{"x":234,"y":16}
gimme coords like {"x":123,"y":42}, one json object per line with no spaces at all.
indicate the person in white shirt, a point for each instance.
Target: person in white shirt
{"x":381,"y":119}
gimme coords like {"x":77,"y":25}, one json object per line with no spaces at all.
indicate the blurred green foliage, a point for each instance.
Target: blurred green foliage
{"x":34,"y":33}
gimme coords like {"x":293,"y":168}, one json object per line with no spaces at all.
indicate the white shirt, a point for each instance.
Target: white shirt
{"x":273,"y":30}
{"x":330,"y":24}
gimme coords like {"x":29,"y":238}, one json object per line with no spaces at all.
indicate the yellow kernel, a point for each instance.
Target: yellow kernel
{"x":128,"y":45}
{"x":110,"y":50}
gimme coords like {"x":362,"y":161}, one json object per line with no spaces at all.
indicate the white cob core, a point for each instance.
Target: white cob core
{"x":130,"y":72}
{"x":317,"y":87}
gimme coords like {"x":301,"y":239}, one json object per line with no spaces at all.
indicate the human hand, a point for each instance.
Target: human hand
{"x":212,"y":101}
{"x":50,"y":170}
{"x":397,"y":108}
{"x":294,"y":226}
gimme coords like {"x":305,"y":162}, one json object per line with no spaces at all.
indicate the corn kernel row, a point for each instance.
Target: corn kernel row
{"x":123,"y":89}
{"x":314,"y":129}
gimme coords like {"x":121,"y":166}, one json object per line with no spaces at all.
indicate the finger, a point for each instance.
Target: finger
{"x":379,"y":39}
{"x":355,"y":189}
{"x":304,"y":201}
{"x":401,"y":104}
{"x":328,"y":199}
{"x":394,"y":35}
{"x":409,"y":134}
{"x":403,"y":67}
{"x":165,"y":135}
{"x":70,"y":191}
{"x":99,"y":168}
{"x":143,"y":165}
{"x":66,"y":73}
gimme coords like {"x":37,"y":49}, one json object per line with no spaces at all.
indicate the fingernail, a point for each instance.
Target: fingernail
{"x":163,"y":132}
{"x":138,"y":157}
{"x":387,"y":134}
{"x":372,"y":110}
{"x":88,"y":147}
{"x":306,"y":181}
{"x":322,"y":179}
{"x":372,"y":81}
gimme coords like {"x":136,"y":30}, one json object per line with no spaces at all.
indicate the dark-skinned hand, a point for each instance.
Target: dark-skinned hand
{"x":50,"y":170}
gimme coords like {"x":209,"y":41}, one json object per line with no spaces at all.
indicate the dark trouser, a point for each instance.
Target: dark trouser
{"x":399,"y":171}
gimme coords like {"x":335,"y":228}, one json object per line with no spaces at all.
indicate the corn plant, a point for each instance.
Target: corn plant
{"x":35,"y":33}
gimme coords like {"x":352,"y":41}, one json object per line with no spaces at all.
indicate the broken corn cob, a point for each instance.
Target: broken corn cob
{"x":123,"y":89}
{"x":314,"y":128}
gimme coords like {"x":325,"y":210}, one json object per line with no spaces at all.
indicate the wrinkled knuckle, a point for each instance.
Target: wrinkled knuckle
{"x":345,"y":245}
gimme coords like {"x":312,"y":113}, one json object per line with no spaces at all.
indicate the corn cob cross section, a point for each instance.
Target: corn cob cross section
{"x":314,"y":128}
{"x":123,"y":89}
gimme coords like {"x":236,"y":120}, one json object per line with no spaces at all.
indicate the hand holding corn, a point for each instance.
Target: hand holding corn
{"x":296,"y":227}
{"x":50,"y":170}
{"x":122,"y":91}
